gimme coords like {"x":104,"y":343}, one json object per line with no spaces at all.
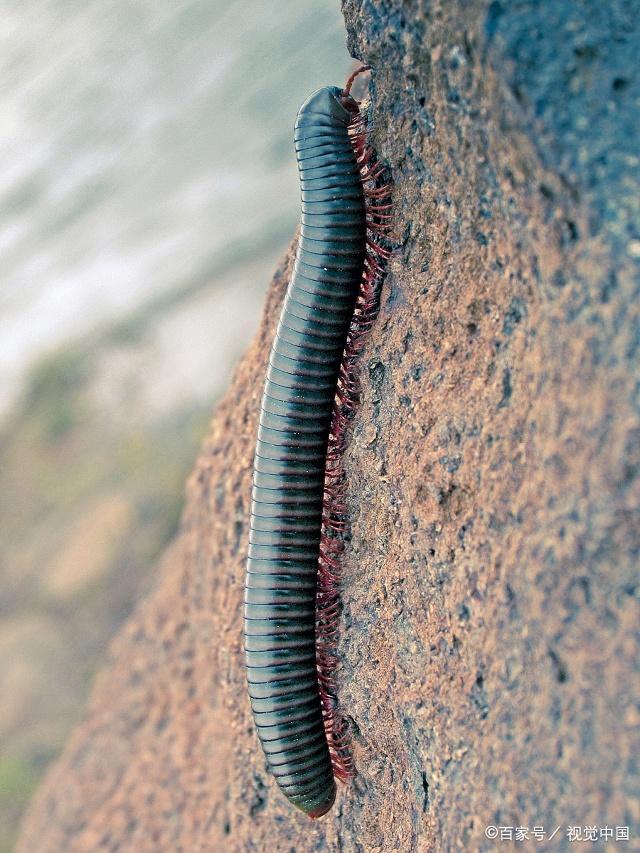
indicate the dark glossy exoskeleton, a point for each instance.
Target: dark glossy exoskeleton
{"x":289,"y":469}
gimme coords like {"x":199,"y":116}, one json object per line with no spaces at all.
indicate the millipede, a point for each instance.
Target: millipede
{"x":298,"y":506}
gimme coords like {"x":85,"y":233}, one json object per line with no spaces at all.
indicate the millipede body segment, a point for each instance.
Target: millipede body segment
{"x":296,"y":513}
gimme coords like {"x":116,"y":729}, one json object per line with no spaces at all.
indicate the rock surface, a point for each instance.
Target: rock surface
{"x":489,"y":640}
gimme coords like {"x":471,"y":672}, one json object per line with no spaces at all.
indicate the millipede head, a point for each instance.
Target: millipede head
{"x":328,"y":101}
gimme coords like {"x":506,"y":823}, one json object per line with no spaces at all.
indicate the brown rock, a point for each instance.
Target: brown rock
{"x":490,"y":627}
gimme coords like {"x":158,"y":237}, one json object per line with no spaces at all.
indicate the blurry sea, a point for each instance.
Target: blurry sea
{"x":147,"y":191}
{"x":145,"y":156}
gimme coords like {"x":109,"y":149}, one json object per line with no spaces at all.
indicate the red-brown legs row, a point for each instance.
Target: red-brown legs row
{"x":377,"y":193}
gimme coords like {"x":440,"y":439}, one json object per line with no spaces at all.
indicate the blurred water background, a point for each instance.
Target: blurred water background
{"x":147,"y":190}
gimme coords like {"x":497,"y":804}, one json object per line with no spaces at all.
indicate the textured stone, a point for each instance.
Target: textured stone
{"x":489,"y":639}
